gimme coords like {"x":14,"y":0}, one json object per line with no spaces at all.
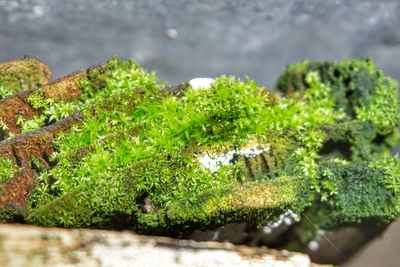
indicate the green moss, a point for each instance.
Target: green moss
{"x":7,"y":170}
{"x":10,"y":214}
{"x":369,"y":99}
{"x":96,"y":86}
{"x":3,"y":126}
{"x":149,"y":146}
{"x":38,"y":100}
{"x":356,"y":85}
{"x":136,"y":153}
{"x":31,"y":124}
{"x":20,"y":75}
{"x":390,"y":166}
{"x":358,"y":191}
{"x":240,"y":202}
{"x":362,"y":195}
{"x":5,"y":90}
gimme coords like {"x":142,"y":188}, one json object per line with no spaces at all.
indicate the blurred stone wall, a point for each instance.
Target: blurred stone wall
{"x":182,"y":38}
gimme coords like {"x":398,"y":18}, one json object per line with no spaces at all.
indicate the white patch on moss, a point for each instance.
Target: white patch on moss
{"x":214,"y":162}
{"x":201,"y":83}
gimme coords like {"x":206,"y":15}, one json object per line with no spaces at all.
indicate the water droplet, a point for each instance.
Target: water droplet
{"x":313,"y":245}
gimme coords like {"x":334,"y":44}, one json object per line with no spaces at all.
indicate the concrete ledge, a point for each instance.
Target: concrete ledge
{"x":35,"y":246}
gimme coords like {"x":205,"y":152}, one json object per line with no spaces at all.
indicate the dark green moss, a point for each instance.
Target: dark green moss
{"x":359,"y":191}
{"x":369,"y":99}
{"x":11,"y":215}
{"x":355,"y":84}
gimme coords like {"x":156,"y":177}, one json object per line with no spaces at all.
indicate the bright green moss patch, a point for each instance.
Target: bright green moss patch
{"x":148,"y":148}
{"x":38,"y":100}
{"x":357,"y":85}
{"x":7,"y":170}
{"x":5,"y":90}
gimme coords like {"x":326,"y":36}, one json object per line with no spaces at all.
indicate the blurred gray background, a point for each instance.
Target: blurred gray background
{"x":182,"y":39}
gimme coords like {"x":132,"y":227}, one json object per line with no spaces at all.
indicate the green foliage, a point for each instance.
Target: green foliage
{"x":30,"y":124}
{"x":10,"y":214}
{"x":391,"y":167}
{"x":256,"y":201}
{"x":356,"y":85}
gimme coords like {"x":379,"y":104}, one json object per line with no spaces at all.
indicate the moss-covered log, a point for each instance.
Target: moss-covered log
{"x":22,"y":74}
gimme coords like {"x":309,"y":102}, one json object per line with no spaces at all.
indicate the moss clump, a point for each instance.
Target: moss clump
{"x":23,"y":74}
{"x":38,"y":100}
{"x":359,"y":191}
{"x":10,"y":214}
{"x":369,"y":99}
{"x":138,"y":154}
{"x":149,"y":147}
